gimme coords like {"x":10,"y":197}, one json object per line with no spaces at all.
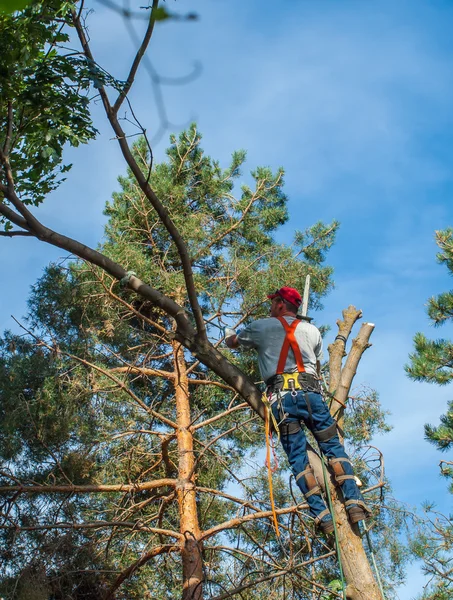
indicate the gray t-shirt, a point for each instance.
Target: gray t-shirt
{"x":268,"y":335}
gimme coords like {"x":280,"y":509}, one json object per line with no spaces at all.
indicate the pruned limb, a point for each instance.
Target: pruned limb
{"x":337,"y":348}
{"x":341,"y":377}
{"x":359,"y":345}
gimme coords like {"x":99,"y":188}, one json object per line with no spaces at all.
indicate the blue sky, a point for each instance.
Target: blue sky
{"x":353,"y":99}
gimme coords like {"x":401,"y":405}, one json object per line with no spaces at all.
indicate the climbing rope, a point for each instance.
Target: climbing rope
{"x":376,"y":570}
{"x":268,"y":416}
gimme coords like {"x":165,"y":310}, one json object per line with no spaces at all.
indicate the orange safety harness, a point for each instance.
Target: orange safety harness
{"x":289,"y":342}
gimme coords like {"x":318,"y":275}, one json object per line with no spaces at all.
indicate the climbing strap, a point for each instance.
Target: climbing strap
{"x":290,"y":342}
{"x":268,"y":417}
{"x":124,"y":281}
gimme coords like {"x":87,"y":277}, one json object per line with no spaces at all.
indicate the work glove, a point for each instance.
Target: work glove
{"x":227,"y":332}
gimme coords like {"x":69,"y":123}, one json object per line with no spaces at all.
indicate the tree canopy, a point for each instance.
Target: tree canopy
{"x":126,"y":424}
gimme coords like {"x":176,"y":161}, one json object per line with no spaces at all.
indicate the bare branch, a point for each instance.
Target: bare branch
{"x":16,"y":233}
{"x":219,"y":416}
{"x":142,"y":181}
{"x":273,"y":575}
{"x":232,"y":523}
{"x":138,"y":57}
{"x":136,"y":526}
{"x":87,"y":489}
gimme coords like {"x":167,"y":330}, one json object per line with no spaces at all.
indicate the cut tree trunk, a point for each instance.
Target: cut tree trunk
{"x":361,"y":584}
{"x":191,"y":551}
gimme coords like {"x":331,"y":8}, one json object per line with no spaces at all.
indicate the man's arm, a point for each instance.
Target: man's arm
{"x":231,"y":339}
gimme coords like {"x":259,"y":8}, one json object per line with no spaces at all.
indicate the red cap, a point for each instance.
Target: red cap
{"x":289,"y":294}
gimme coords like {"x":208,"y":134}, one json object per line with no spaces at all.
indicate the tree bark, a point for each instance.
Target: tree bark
{"x":191,"y":551}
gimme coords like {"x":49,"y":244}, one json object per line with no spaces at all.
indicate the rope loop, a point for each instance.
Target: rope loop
{"x":125,"y":280}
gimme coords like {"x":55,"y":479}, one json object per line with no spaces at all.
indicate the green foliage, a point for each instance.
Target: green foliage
{"x":10,"y":6}
{"x":364,"y":417}
{"x":432,"y":362}
{"x":68,"y":399}
{"x":68,"y":393}
{"x":43,"y":97}
{"x":442,"y":435}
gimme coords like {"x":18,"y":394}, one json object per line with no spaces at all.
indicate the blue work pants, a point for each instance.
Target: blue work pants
{"x":294,"y":408}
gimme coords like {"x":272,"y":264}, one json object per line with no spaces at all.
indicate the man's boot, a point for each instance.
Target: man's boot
{"x":357,"y":510}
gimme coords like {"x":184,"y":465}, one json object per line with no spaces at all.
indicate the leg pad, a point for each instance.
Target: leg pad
{"x":310,"y":482}
{"x":324,"y":435}
{"x":289,"y":427}
{"x":340,"y":473}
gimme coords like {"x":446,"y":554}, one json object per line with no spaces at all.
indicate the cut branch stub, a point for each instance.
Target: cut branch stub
{"x":359,"y":345}
{"x":337,"y":348}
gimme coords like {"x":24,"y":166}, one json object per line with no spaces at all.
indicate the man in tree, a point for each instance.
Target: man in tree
{"x":294,"y":391}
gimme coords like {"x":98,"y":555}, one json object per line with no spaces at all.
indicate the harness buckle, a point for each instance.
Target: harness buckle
{"x":290,"y":382}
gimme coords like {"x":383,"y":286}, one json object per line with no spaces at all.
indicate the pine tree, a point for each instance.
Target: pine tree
{"x":120,"y":378}
{"x":115,"y":388}
{"x":101,"y":394}
{"x":432,"y":361}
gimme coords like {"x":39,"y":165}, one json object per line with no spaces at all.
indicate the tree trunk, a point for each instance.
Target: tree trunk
{"x":361,"y":584}
{"x":191,"y":551}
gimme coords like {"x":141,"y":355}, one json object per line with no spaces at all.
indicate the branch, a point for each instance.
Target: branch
{"x":165,"y":549}
{"x":138,"y":57}
{"x":274,"y":575}
{"x":219,"y":384}
{"x":143,"y":371}
{"x":87,"y":489}
{"x":9,"y":130}
{"x":232,"y":523}
{"x":12,"y":216}
{"x":142,"y":181}
{"x":240,"y":501}
{"x":219,"y":416}
{"x":16,"y":233}
{"x":136,"y":526}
